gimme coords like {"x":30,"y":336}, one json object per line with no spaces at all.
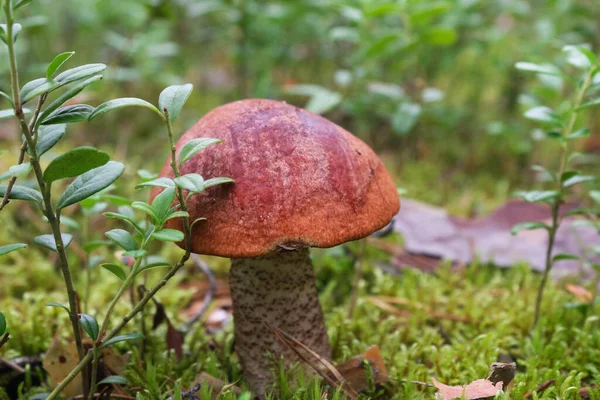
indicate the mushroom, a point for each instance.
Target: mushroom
{"x":301,"y":181}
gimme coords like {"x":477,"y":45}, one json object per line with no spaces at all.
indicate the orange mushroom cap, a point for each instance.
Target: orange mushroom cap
{"x":300,"y":181}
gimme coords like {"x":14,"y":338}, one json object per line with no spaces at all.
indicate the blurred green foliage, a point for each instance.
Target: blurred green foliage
{"x":426,"y":81}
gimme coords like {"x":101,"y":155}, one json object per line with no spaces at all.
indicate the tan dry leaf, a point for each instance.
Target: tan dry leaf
{"x":581,"y":293}
{"x":479,"y":389}
{"x":61,"y":358}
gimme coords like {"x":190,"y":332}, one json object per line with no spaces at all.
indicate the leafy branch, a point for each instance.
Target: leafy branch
{"x":561,"y":129}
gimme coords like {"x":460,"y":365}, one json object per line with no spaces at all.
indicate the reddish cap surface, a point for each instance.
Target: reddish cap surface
{"x":300,"y":180}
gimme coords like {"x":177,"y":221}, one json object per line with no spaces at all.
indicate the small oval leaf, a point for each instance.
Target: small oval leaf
{"x":116,"y":270}
{"x":58,"y":61}
{"x":11,"y":247}
{"x":173,"y":98}
{"x":74,"y":163}
{"x":48,"y":241}
{"x":122,"y":103}
{"x":90,"y":183}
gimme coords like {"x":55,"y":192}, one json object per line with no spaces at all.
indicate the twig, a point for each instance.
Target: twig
{"x":4,"y":339}
{"x":208,"y":297}
{"x":12,"y":181}
{"x":541,"y":388}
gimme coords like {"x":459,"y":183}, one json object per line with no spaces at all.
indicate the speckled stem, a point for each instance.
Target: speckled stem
{"x":278,"y":289}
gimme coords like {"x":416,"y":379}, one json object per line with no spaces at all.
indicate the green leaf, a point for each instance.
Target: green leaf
{"x":159,"y":182}
{"x":78,"y":73}
{"x":153,"y":265}
{"x":580,"y":133}
{"x":48,"y":136}
{"x":114,"y":379}
{"x":579,"y":56}
{"x":217,"y":181}
{"x":11,"y":113}
{"x":197,"y":220}
{"x":69,"y":94}
{"x":146,"y":175}
{"x":19,"y":192}
{"x":135,"y":253}
{"x":37,"y":87}
{"x":528,"y":226}
{"x":178,"y":214}
{"x":7,"y":97}
{"x":546,"y":69}
{"x":191,"y":182}
{"x":90,"y":325}
{"x":547,"y":174}
{"x":122,"y":238}
{"x":124,"y":218}
{"x":4,"y":31}
{"x":58,"y":305}
{"x":11,"y":247}
{"x":2,"y":324}
{"x":20,"y":170}
{"x":538,"y":195}
{"x":168,"y":235}
{"x":116,"y":270}
{"x":69,"y":114}
{"x":116,"y":104}
{"x":162,"y":203}
{"x":90,"y":183}
{"x":321,"y":99}
{"x":578,"y":179}
{"x":441,"y":36}
{"x":48,"y":242}
{"x":74,"y":163}
{"x":543,"y":114}
{"x":173,"y":98}
{"x":122,"y":338}
{"x":193,"y":147}
{"x":564,"y":256}
{"x":58,"y":61}
{"x":592,"y":103}
{"x":21,"y":3}
{"x":145,"y":208}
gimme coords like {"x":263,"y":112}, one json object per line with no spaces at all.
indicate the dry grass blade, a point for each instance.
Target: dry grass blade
{"x":295,"y":345}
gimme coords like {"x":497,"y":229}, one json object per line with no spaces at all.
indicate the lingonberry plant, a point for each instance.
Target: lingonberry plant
{"x":93,"y":174}
{"x":582,"y":73}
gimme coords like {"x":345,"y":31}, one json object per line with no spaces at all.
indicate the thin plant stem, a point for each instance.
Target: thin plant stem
{"x":555,"y":207}
{"x":95,"y":359}
{"x":134,"y":270}
{"x":53,"y":218}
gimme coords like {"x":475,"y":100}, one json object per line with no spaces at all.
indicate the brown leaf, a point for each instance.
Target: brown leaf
{"x":175,"y":340}
{"x":429,"y":230}
{"x":479,"y":389}
{"x":355,"y":373}
{"x":581,"y":293}
{"x":61,"y":358}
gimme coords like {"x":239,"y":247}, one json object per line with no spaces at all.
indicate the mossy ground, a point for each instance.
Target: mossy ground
{"x":497,"y":302}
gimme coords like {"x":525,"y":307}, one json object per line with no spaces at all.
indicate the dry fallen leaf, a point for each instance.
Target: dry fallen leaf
{"x":581,"y":293}
{"x":429,"y":230}
{"x":61,"y":358}
{"x":355,"y":373}
{"x":479,"y":389}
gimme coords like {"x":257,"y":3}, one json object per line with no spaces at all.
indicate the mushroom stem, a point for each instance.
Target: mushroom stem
{"x":277,"y":289}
